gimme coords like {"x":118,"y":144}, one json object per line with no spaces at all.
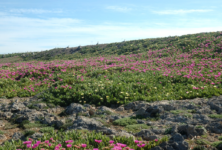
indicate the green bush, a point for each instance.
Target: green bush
{"x":47,"y":130}
{"x":125,"y":121}
{"x":29,"y":132}
{"x":136,"y":127}
{"x":215,"y":116}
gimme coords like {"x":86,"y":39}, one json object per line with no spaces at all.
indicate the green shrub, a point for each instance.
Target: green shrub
{"x":29,"y":132}
{"x":33,"y":125}
{"x":125,"y":121}
{"x":198,"y":147}
{"x":46,"y":129}
{"x":168,"y":131}
{"x":215,"y":144}
{"x":136,"y":127}
{"x":202,"y":142}
{"x":215,"y":116}
{"x":1,"y":132}
{"x":176,"y":112}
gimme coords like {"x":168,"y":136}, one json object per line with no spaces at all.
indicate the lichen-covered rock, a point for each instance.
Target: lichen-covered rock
{"x":75,"y":108}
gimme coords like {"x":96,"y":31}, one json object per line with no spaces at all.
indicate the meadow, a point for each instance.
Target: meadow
{"x":183,"y":67}
{"x":163,"y":74}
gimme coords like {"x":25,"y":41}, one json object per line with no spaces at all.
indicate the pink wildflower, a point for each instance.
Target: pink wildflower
{"x":69,"y":145}
{"x":110,"y":142}
{"x":136,"y":141}
{"x":98,"y":141}
{"x":84,"y":145}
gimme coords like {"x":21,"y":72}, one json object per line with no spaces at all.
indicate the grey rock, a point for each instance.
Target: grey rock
{"x":141,"y":121}
{"x":113,"y":118}
{"x":16,"y":107}
{"x":74,"y":108}
{"x":35,"y":136}
{"x":216,"y":103}
{"x":205,"y":110}
{"x":2,"y":124}
{"x":177,"y":142}
{"x":48,"y":120}
{"x":102,"y":109}
{"x":86,"y":123}
{"x":92,"y":112}
{"x":3,"y":137}
{"x":40,"y":105}
{"x":32,"y":117}
{"x":120,"y":109}
{"x":6,"y":115}
{"x":130,"y":106}
{"x":156,"y":148}
{"x":154,"y":111}
{"x":59,"y":123}
{"x":106,"y":130}
{"x":142,"y":111}
{"x":176,"y":138}
{"x":201,"y":131}
{"x":123,"y":133}
{"x":158,"y":131}
{"x":214,"y":127}
{"x":17,"y":135}
{"x":202,"y":118}
{"x":147,"y":135}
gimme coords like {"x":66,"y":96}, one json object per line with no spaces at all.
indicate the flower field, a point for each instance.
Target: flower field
{"x":183,"y":68}
{"x":92,"y":141}
{"x":163,"y":74}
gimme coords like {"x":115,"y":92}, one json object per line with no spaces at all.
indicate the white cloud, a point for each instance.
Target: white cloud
{"x":33,"y":11}
{"x":22,"y":34}
{"x":181,"y":11}
{"x":119,"y":9}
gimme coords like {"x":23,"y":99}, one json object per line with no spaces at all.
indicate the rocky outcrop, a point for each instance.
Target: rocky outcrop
{"x":180,"y":120}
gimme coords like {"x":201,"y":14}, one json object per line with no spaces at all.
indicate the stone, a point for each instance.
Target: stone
{"x":3,"y":137}
{"x":2,"y":124}
{"x":120,"y":109}
{"x":86,"y":123}
{"x":103,"y":109}
{"x":16,"y":107}
{"x":40,"y":105}
{"x":74,"y":108}
{"x":214,"y":127}
{"x":36,"y":136}
{"x":147,"y":135}
{"x":17,"y":135}
{"x":216,"y":103}
{"x":156,"y":148}
{"x":92,"y":112}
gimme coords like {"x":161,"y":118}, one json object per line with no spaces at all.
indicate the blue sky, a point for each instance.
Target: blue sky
{"x":27,"y":26}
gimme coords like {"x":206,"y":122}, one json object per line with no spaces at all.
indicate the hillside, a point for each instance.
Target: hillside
{"x":185,"y":43}
{"x":162,"y":93}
